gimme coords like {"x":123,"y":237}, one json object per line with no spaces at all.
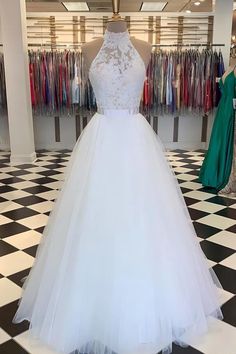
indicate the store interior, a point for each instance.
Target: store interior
{"x":47,"y":101}
{"x":49,"y":28}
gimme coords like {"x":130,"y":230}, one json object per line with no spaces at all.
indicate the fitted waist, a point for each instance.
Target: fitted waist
{"x":117,"y":112}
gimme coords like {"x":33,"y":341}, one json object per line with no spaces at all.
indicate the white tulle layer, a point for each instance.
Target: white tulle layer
{"x":119,"y":268}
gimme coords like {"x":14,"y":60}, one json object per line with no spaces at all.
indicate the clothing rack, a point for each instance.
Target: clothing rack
{"x":189,"y":45}
{"x":177,"y":81}
{"x":76,"y":46}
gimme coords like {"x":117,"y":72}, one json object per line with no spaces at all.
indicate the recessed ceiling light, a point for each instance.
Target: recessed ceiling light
{"x":197,"y":3}
{"x":76,"y":6}
{"x":153,"y":6}
{"x":188,"y":11}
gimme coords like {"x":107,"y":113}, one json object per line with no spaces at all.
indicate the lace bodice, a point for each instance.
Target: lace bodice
{"x":117,"y":73}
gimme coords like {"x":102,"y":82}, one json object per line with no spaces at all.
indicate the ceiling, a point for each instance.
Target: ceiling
{"x":125,"y":5}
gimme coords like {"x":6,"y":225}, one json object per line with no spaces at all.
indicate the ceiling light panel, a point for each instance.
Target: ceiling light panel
{"x":153,"y":6}
{"x":76,"y":6}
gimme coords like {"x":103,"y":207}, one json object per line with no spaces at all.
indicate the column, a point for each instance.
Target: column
{"x":223,"y":17}
{"x":14,"y":37}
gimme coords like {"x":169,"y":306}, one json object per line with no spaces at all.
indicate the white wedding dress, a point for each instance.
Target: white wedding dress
{"x":119,"y":269}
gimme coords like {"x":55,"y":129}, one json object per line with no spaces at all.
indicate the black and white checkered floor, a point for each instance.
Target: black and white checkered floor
{"x":27,"y":194}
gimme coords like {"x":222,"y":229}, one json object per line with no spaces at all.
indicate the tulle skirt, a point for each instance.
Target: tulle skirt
{"x":119,"y":269}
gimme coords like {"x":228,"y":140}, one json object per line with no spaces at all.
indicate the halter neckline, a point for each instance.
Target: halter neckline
{"x":116,"y":35}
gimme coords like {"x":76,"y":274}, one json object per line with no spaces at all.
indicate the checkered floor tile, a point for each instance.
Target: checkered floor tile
{"x":27,"y":194}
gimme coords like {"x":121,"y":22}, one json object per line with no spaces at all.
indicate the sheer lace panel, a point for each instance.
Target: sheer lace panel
{"x":117,"y":73}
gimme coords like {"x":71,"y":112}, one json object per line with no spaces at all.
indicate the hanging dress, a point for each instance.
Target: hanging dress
{"x":216,"y":167}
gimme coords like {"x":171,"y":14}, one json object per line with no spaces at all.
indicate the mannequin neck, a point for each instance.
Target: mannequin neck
{"x":117,"y":26}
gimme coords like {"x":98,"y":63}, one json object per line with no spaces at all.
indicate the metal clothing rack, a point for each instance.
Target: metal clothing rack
{"x":189,"y":45}
{"x":77,"y":46}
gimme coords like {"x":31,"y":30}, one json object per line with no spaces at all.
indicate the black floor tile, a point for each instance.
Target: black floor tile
{"x":47,"y":173}
{"x":215,"y":252}
{"x":18,"y":172}
{"x":31,"y":250}
{"x":196,"y":214}
{"x":190,"y":201}
{"x":184,"y":350}
{"x":232,"y":229}
{"x":25,"y":166}
{"x":192,"y":166}
{"x":37,"y":189}
{"x":20,"y":213}
{"x":43,"y":180}
{"x":54,"y":166}
{"x":5,"y":248}
{"x":227,"y":277}
{"x":204,"y":231}
{"x":11,"y":228}
{"x":11,"y":180}
{"x":17,"y":277}
{"x":184,"y":190}
{"x":221,"y":200}
{"x":228,"y":213}
{"x":193,"y":172}
{"x":5,"y":189}
{"x":29,"y":200}
{"x":207,"y":190}
{"x":229,"y":311}
{"x":7,"y":313}
{"x":11,"y":347}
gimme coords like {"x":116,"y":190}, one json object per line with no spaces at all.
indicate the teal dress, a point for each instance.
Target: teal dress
{"x":216,"y":167}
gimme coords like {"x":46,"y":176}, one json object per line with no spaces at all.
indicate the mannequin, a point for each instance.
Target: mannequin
{"x":230,"y":188}
{"x":218,"y":168}
{"x":116,"y":25}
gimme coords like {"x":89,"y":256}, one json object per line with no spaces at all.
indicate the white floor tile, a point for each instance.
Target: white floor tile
{"x":15,"y":262}
{"x":224,"y":296}
{"x":60,"y":169}
{"x":217,"y":221}
{"x":24,"y":184}
{"x":9,"y":169}
{"x":4,"y":175}
{"x":9,"y":291}
{"x":43,"y":207}
{"x":48,"y":195}
{"x":34,"y":221}
{"x":54,"y":185}
{"x":58,"y":177}
{"x":4,"y":220}
{"x":36,"y":169}
{"x":177,"y":163}
{"x":198,"y":195}
{"x":9,"y":205}
{"x":31,"y":176}
{"x":207,"y":206}
{"x":15,"y":195}
{"x":4,"y":337}
{"x":230,"y":262}
{"x":224,"y":238}
{"x":24,"y":240}
{"x":186,"y":177}
{"x":211,"y":263}
{"x":191,"y":185}
{"x":33,"y":346}
{"x":220,"y":339}
{"x":182,"y":170}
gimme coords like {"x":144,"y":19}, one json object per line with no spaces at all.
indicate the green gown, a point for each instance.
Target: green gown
{"x":216,"y":167}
